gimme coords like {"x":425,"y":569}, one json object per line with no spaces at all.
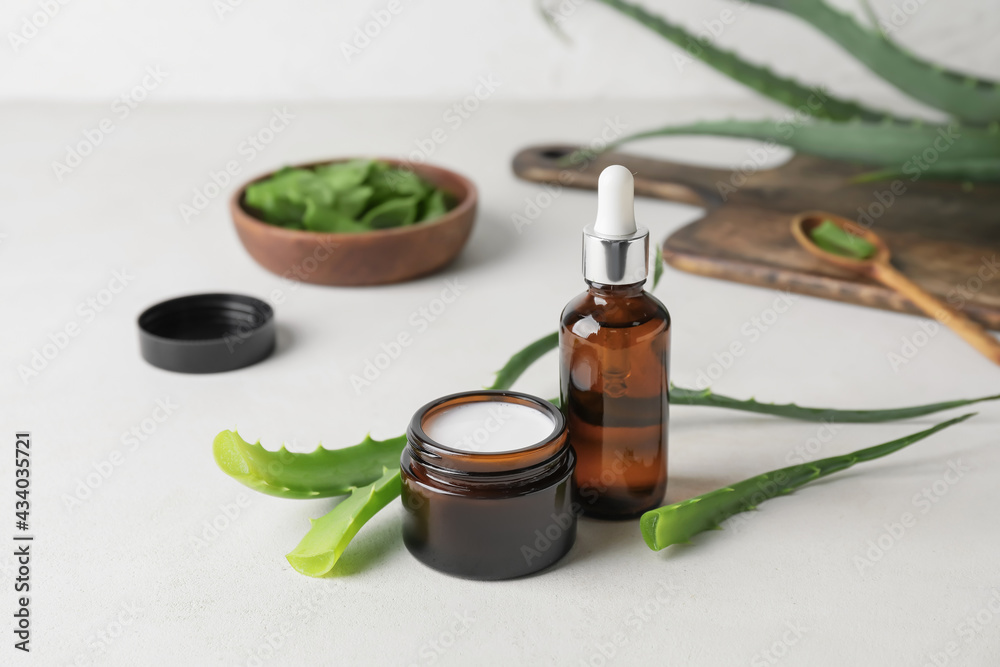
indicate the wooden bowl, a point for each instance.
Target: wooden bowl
{"x":370,"y":258}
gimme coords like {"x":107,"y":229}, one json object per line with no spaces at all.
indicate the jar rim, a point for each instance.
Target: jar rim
{"x":431,"y":452}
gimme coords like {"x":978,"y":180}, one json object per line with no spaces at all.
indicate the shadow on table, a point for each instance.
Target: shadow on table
{"x":492,"y":239}
{"x":610,"y":540}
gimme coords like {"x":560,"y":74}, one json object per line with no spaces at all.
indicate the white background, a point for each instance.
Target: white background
{"x":132,"y":575}
{"x":292,"y":50}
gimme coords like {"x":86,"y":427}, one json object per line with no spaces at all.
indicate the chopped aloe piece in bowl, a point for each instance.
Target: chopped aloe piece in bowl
{"x":348,"y":197}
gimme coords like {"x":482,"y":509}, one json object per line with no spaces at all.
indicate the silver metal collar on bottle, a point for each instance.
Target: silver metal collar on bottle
{"x":615,"y":261}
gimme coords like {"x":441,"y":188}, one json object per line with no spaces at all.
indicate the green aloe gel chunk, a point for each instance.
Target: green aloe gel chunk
{"x":831,"y":238}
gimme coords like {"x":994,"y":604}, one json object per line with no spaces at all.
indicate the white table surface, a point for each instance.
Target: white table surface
{"x":121,"y":578}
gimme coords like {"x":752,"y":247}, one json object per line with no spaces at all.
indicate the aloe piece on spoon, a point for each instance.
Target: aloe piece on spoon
{"x":832,"y":238}
{"x":877,"y":266}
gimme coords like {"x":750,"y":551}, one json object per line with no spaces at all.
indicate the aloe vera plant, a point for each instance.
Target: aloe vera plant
{"x":678,"y":523}
{"x":369,"y":471}
{"x":970,"y":98}
{"x":972,"y":170}
{"x":785,"y":90}
{"x":848,"y":130}
{"x":321,"y":473}
{"x":326,"y":473}
{"x":887,"y":143}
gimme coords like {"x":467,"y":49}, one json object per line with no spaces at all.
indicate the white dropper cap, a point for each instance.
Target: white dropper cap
{"x":615,"y":249}
{"x":615,"y":203}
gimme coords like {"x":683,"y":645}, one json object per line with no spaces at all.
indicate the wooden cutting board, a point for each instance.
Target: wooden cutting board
{"x":944,"y":237}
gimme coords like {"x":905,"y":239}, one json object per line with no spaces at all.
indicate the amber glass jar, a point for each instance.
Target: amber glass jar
{"x":488,"y":515}
{"x":614,"y":343}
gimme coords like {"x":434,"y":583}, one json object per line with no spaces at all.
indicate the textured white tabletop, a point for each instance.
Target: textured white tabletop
{"x":145,"y":553}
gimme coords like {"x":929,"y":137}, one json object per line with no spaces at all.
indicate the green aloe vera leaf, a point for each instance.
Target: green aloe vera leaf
{"x":512,"y":370}
{"x":552,"y":21}
{"x":872,"y":16}
{"x":516,"y":365}
{"x":973,"y":99}
{"x":833,"y":239}
{"x":982,"y":170}
{"x":678,"y":523}
{"x":657,"y":267}
{"x":330,"y":534}
{"x":321,"y":219}
{"x":705,"y":397}
{"x":319,"y":474}
{"x":781,"y":89}
{"x":892,"y":144}
{"x":391,"y":213}
{"x":433,"y":206}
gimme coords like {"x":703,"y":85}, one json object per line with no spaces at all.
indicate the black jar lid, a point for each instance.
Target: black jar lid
{"x":207,"y":333}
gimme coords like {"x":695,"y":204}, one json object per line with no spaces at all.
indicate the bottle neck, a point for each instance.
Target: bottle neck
{"x":616,"y":291}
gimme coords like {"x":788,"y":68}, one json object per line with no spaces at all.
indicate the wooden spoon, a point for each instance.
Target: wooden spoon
{"x":877,"y":267}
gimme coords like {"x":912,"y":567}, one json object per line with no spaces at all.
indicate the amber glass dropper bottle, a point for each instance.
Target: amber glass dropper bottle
{"x":614,"y":346}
